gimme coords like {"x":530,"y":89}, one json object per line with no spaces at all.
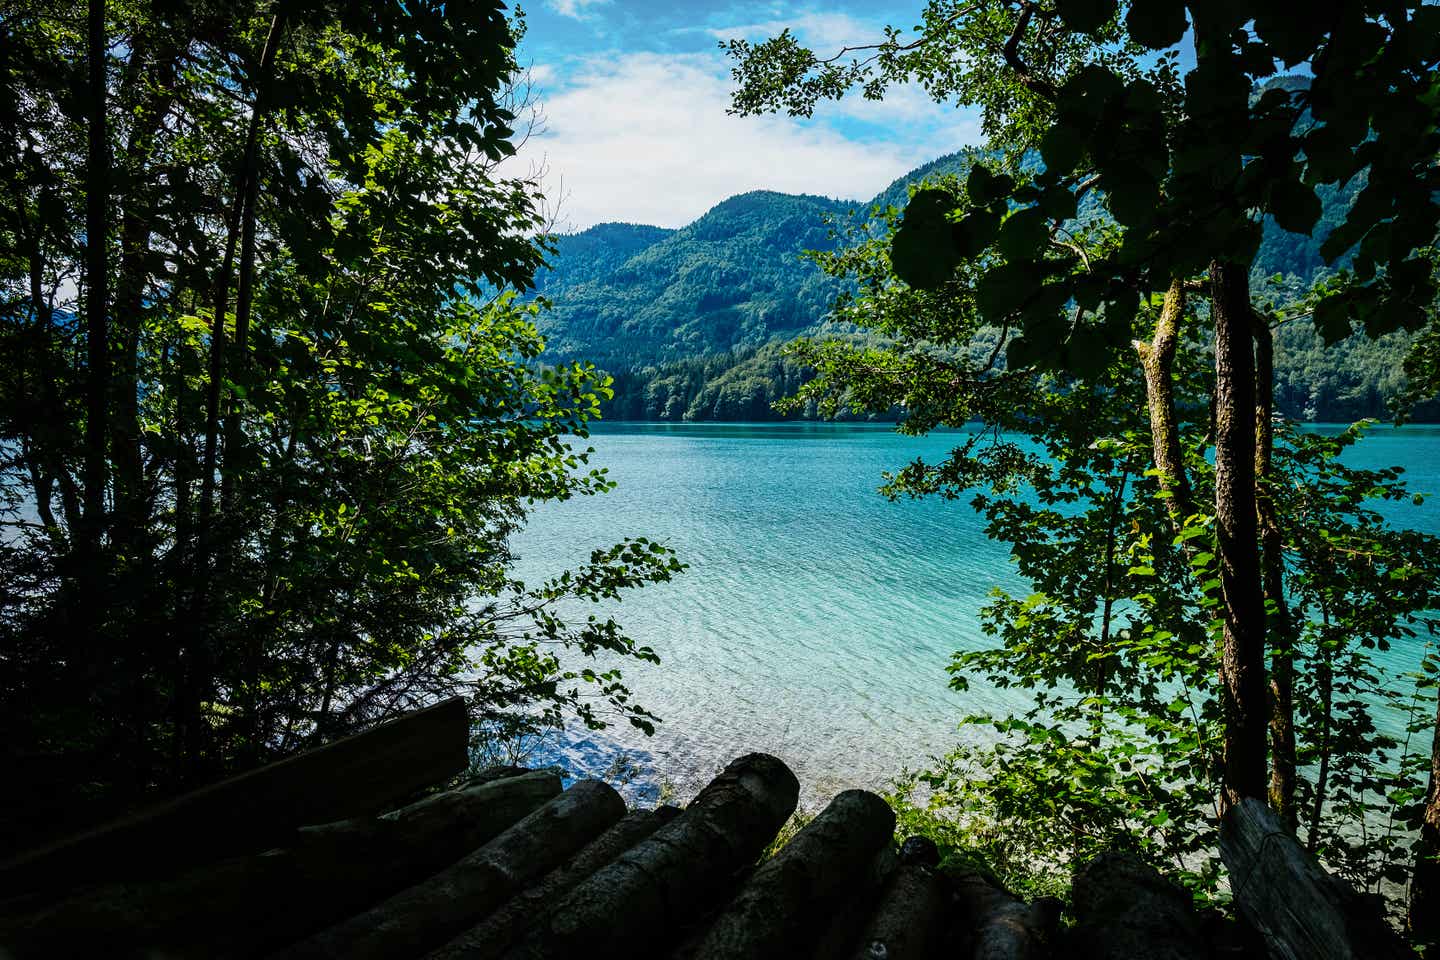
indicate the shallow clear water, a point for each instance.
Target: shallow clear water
{"x":817,"y":618}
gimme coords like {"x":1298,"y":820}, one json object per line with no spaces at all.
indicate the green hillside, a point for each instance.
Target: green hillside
{"x":629,"y":297}
{"x":692,"y":322}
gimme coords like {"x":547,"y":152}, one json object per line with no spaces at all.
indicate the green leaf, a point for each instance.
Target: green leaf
{"x":1156,"y":24}
{"x":984,"y":187}
{"x":1294,"y":206}
{"x":1062,"y":149}
{"x":1002,"y":290}
{"x":1332,"y":319}
{"x":975,"y":232}
{"x":923,"y":252}
{"x":1086,"y":16}
{"x":1059,"y":203}
{"x":1023,"y":233}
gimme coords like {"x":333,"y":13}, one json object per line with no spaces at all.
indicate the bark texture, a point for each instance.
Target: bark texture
{"x":1245,"y":698}
{"x":1302,"y":912}
{"x":430,"y":913}
{"x":1124,"y":909}
{"x":492,"y":937}
{"x":909,"y":922}
{"x":794,"y":893}
{"x":357,"y":775}
{"x":1279,"y":625}
{"x":1424,"y":918}
{"x":1158,"y":360}
{"x":657,"y":890}
{"x":1001,"y":926}
{"x":327,"y":873}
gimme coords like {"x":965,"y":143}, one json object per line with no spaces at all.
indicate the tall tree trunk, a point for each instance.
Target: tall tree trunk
{"x":1280,"y":627}
{"x":1424,"y":917}
{"x":245,"y":289}
{"x":1242,"y":653}
{"x":1158,"y":359}
{"x":1107,"y":608}
{"x":242,"y":222}
{"x":1325,"y":687}
{"x":131,"y":520}
{"x":97,"y":294}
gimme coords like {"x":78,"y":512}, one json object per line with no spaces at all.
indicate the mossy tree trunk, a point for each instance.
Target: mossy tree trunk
{"x":1243,"y":645}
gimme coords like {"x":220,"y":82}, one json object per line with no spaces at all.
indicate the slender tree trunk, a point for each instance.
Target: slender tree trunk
{"x":1158,"y":359}
{"x":245,"y":289}
{"x":1245,"y":697}
{"x":1279,"y":628}
{"x":1325,"y":686}
{"x":97,"y":295}
{"x":1107,"y":610}
{"x":51,"y":425}
{"x":1424,"y":919}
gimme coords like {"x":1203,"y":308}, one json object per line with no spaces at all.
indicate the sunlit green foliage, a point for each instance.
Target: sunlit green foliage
{"x":1022,"y":294}
{"x":321,"y":422}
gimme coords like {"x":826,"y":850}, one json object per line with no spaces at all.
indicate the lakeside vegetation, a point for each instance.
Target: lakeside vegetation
{"x":276,"y":390}
{"x":1208,"y":585}
{"x":269,"y":410}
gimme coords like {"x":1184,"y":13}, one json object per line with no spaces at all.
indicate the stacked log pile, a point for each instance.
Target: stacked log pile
{"x":510,"y":866}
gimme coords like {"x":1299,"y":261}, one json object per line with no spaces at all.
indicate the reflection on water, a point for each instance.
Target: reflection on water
{"x":817,"y":618}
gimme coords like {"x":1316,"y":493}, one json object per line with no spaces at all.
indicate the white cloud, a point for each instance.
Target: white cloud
{"x":825,"y":33}
{"x":644,"y":137}
{"x":574,"y":8}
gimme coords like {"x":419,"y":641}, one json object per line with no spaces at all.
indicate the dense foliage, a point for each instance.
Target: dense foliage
{"x":265,"y":425}
{"x":1215,"y":597}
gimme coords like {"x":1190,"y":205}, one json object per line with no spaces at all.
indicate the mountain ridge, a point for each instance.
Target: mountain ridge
{"x":691,"y":321}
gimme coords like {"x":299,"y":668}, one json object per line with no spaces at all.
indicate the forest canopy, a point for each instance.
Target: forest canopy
{"x":269,"y":409}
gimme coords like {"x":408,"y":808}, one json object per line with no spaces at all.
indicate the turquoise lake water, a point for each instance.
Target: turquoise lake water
{"x":817,"y":618}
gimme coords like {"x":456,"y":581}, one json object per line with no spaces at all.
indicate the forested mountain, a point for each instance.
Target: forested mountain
{"x":692,"y":322}
{"x":628,"y":297}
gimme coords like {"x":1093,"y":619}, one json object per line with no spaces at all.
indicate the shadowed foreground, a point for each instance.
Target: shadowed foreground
{"x":312,"y":858}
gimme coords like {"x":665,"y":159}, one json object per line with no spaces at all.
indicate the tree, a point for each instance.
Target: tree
{"x":314,"y":421}
{"x":1088,"y":105}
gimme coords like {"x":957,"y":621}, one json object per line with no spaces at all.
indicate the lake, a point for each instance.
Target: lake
{"x":817,"y":618}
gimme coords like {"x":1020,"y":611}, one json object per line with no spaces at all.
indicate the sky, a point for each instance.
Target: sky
{"x":634,"y":95}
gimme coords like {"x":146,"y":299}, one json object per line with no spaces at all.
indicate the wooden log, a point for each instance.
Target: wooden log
{"x":1125,"y":909}
{"x":909,"y":922}
{"x":327,"y":874}
{"x":1000,"y":926}
{"x":783,"y":905}
{"x":1300,"y":909}
{"x":651,"y":894}
{"x":358,"y":775}
{"x":848,"y":922}
{"x":496,"y":933}
{"x":430,"y":913}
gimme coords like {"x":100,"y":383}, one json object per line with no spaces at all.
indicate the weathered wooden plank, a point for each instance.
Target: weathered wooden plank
{"x":430,"y":913}
{"x":328,"y":873}
{"x":784,"y":903}
{"x":1303,"y":912}
{"x":1125,"y":909}
{"x":357,"y":775}
{"x":651,"y":894}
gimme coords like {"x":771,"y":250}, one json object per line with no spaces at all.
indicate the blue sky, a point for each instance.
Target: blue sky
{"x":634,"y":94}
